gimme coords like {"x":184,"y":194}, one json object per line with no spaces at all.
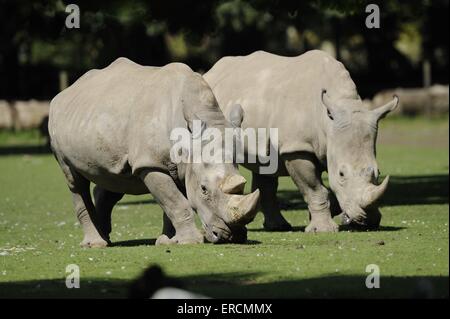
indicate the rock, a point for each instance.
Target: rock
{"x":368,"y":103}
{"x":439,"y":95}
{"x":6,"y":118}
{"x":430,"y":101}
{"x":30,"y":114}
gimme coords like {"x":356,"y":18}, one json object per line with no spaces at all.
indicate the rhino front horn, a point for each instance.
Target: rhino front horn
{"x":242,"y":209}
{"x":233,"y":184}
{"x":374,"y":192}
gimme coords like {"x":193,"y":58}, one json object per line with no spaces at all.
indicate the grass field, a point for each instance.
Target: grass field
{"x":39,"y":235}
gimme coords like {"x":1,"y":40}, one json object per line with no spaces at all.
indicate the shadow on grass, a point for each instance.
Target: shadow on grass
{"x":137,"y":202}
{"x":402,"y":190}
{"x":134,"y":243}
{"x":243,"y":285}
{"x":379,"y":229}
{"x":152,"y":241}
{"x":341,"y":228}
{"x":294,"y":229}
{"x":417,"y":190}
{"x":24,"y":150}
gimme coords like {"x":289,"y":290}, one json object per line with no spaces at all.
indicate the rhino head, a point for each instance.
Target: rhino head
{"x":216,"y":191}
{"x":351,"y":159}
{"x":217,"y":196}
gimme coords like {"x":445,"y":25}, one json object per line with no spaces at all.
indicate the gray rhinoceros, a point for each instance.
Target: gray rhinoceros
{"x":112,"y":128}
{"x":322,"y":125}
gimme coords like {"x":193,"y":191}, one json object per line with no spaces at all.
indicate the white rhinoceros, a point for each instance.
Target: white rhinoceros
{"x":112,"y":128}
{"x":323,"y":125}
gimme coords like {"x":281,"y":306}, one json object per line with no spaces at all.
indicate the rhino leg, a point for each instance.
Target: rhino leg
{"x":168,"y":228}
{"x":84,"y":208}
{"x":267,"y":185}
{"x":85,"y":212}
{"x":104,"y":203}
{"x":303,"y":168}
{"x":175,"y":205}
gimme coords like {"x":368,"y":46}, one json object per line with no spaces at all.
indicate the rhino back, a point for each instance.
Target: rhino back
{"x":281,"y":92}
{"x":113,"y":122}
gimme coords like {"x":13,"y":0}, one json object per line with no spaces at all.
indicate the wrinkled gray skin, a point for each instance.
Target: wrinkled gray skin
{"x":112,"y":128}
{"x":323,"y":125}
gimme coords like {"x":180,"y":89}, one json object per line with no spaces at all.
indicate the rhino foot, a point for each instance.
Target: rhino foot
{"x":163,"y":240}
{"x":93,"y":242}
{"x":277,"y":224}
{"x":322,"y":226}
{"x":180,"y":239}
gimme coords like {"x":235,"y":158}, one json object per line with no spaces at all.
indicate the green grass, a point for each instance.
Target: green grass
{"x":29,"y":137}
{"x":39,"y":235}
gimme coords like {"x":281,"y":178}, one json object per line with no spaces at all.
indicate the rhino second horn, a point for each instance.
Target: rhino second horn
{"x":374,"y":193}
{"x":242,"y":209}
{"x":233,"y":184}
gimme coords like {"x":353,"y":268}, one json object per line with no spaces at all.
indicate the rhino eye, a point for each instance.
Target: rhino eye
{"x":204,"y":190}
{"x":343,"y":172}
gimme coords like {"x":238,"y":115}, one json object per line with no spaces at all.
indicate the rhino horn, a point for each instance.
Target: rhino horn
{"x":374,"y":192}
{"x":233,"y":184}
{"x":242,"y":209}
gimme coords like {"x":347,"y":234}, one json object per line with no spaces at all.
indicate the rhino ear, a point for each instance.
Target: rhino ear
{"x":382,"y":111}
{"x":196,"y":127}
{"x":236,"y":115}
{"x":180,"y":152}
{"x":331,"y":109}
